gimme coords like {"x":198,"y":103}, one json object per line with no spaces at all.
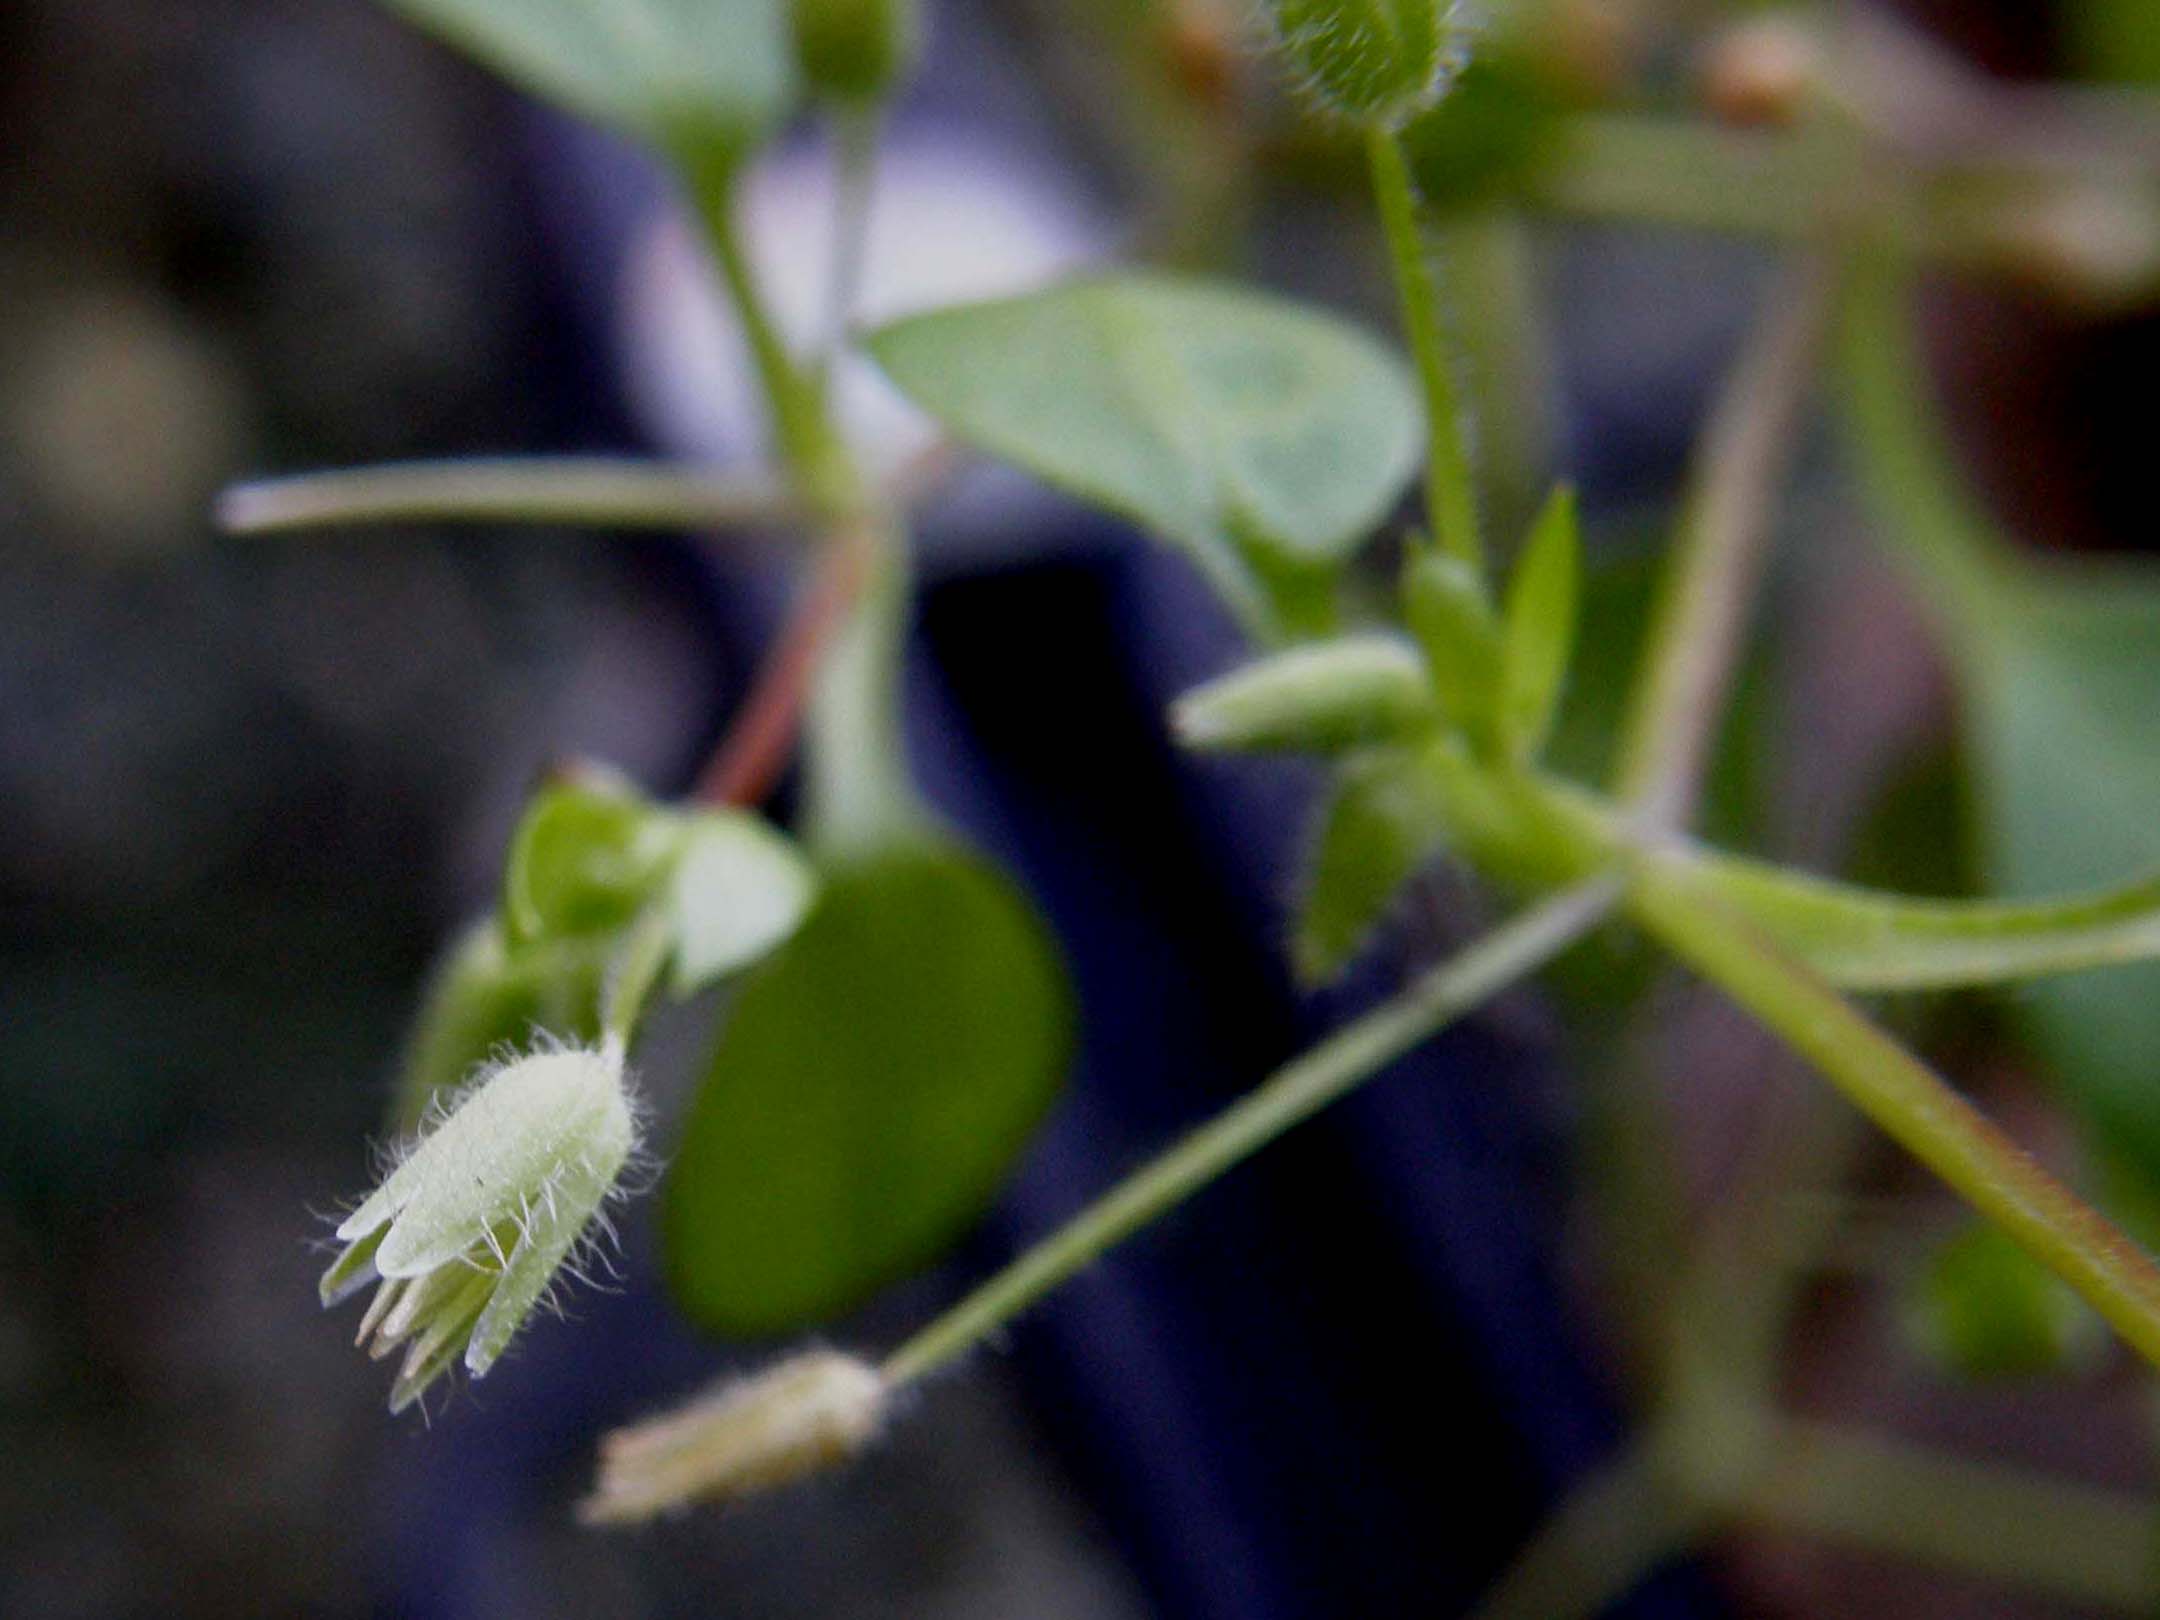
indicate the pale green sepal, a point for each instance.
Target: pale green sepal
{"x":509,"y":1139}
{"x":353,"y":1269}
{"x":550,"y":1236}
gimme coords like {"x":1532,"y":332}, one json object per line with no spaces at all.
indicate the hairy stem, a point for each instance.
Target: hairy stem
{"x":1450,"y":484}
{"x":1910,"y":1102}
{"x":1292,"y":1094}
{"x":594,"y":492}
{"x":2056,"y":1536}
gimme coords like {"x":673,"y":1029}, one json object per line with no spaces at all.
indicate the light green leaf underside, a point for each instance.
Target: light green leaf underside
{"x":1251,"y":431}
{"x":738,"y":889}
{"x":682,"y":74}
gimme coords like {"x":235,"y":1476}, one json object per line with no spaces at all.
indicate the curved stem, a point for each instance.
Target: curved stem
{"x":1450,"y":484}
{"x":595,"y":492}
{"x":1910,"y":1102}
{"x":1292,"y":1094}
{"x":1700,"y":619}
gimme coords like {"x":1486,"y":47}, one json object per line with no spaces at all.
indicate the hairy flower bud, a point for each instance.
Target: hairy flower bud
{"x":473,"y":1222}
{"x":1361,"y":688}
{"x":1372,"y":61}
{"x":857,"y":50}
{"x":807,"y":1413}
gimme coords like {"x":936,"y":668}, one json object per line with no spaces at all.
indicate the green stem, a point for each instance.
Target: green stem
{"x":1292,"y":1094}
{"x":597,"y":492}
{"x":2056,"y":1536}
{"x":1699,"y":621}
{"x":823,"y":470}
{"x":1909,"y":1102}
{"x":858,"y":793}
{"x":1450,"y":484}
{"x":1611,"y":1530}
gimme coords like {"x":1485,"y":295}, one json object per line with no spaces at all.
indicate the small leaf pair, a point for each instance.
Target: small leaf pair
{"x":589,"y":860}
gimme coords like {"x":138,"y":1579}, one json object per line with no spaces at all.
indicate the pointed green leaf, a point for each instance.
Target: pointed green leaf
{"x":737,"y":890}
{"x":1446,"y":607}
{"x":588,"y":854}
{"x":699,"y":78}
{"x":872,"y":1085}
{"x":1864,"y":939}
{"x":1329,"y":695}
{"x":1248,"y":430}
{"x":1383,"y":821}
{"x":1539,"y":637}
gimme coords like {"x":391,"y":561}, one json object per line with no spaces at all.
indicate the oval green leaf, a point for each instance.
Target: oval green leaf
{"x":1252,"y":432}
{"x":874,"y":1082}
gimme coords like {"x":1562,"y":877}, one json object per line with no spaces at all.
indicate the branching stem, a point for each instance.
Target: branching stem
{"x":1292,"y":1094}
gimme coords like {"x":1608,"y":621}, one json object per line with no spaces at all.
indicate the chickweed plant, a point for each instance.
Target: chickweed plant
{"x":899,"y":995}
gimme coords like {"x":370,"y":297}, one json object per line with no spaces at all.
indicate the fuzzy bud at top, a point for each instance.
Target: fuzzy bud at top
{"x":1375,"y":62}
{"x":476,"y":1218}
{"x":856,"y":50}
{"x":809,"y":1412}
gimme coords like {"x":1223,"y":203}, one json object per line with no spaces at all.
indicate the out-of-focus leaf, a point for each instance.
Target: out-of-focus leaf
{"x":1499,"y":123}
{"x":1383,"y":820}
{"x":2117,"y":41}
{"x":1256,"y":434}
{"x":856,"y":50}
{"x":873,"y":1084}
{"x":587,"y":855}
{"x":1864,"y":939}
{"x":1327,"y":695}
{"x":699,"y":78}
{"x":2058,"y":669}
{"x":1539,"y":634}
{"x":1984,"y":1308}
{"x":736,"y":891}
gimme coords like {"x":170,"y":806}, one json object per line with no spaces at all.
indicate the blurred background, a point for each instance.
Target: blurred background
{"x":249,"y":787}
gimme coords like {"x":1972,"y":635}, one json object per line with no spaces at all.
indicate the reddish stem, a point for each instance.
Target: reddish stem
{"x":750,"y":758}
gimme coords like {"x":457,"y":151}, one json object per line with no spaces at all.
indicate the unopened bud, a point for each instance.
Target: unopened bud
{"x":856,"y":50}
{"x":1333,"y":694}
{"x":810,"y":1412}
{"x":468,"y":1231}
{"x":1371,"y":61}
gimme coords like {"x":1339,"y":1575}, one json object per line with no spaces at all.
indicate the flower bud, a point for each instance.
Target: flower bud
{"x":808,"y":1413}
{"x":470,"y":1227}
{"x":1372,"y":61}
{"x":856,"y":50}
{"x":1332,"y":694}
